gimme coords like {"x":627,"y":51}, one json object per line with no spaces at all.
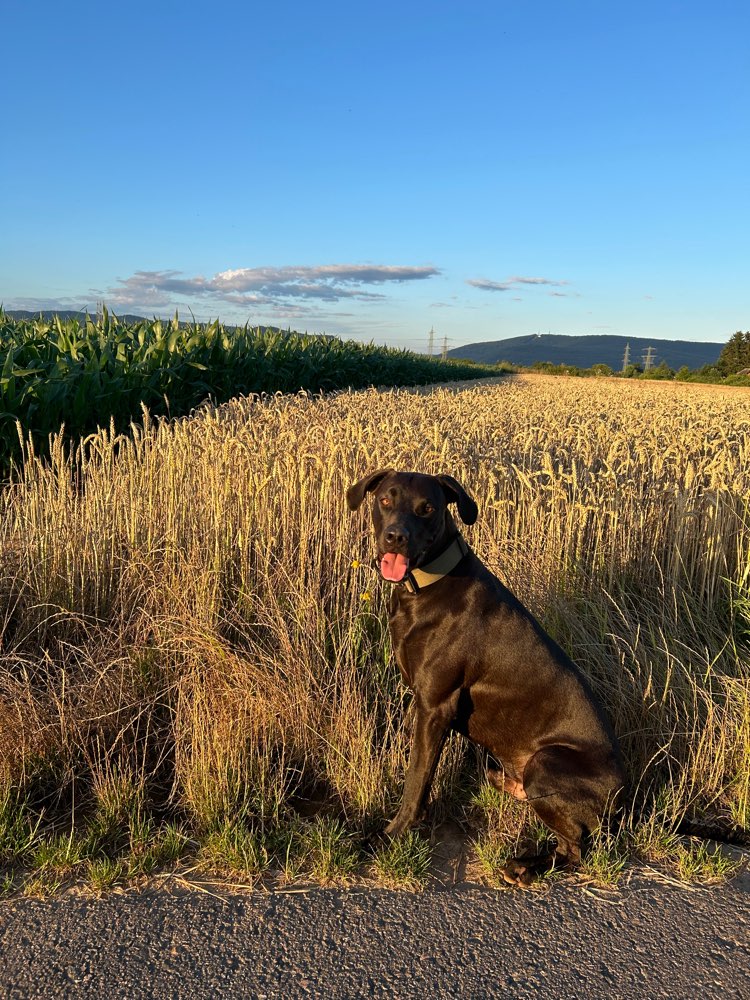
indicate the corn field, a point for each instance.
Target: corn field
{"x":190,"y":621}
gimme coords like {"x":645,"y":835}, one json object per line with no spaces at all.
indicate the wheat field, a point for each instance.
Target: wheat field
{"x":190,"y":630}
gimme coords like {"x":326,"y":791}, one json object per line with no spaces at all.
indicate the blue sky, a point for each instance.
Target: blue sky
{"x":376,"y":170}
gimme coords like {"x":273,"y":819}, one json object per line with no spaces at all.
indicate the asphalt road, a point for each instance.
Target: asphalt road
{"x":648,"y":940}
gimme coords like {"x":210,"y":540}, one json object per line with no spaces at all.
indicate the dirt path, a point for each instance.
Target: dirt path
{"x":649,"y":940}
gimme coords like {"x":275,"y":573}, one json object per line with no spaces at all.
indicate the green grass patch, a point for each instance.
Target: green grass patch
{"x":331,"y":852}
{"x":62,"y":853}
{"x":492,"y":854}
{"x":404,"y":862}
{"x":235,"y":849}
{"x":606,"y":859}
{"x":104,"y":873}
{"x":19,"y":831}
{"x":697,"y":861}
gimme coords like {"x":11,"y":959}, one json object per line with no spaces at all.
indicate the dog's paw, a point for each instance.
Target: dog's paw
{"x":516,"y":873}
{"x":526,"y":870}
{"x":396,"y":828}
{"x":380,"y":840}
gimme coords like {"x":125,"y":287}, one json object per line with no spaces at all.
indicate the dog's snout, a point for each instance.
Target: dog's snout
{"x":397,"y":535}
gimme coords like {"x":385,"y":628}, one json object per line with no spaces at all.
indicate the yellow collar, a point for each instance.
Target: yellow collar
{"x":418,"y":579}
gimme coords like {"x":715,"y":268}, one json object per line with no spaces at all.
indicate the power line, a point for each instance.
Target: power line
{"x":626,"y":356}
{"x":648,"y":358}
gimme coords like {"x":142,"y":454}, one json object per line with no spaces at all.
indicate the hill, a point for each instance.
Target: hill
{"x":584,"y":351}
{"x":129,"y":319}
{"x":65,"y":314}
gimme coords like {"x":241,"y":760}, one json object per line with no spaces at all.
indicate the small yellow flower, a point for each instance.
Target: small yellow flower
{"x":367,"y":596}
{"x":356,"y":563}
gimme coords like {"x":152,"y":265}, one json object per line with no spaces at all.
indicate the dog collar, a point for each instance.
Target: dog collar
{"x":417,"y":579}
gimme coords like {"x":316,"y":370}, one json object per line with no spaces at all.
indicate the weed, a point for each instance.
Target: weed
{"x":493,"y":853}
{"x":41,"y":886}
{"x":331,"y":855}
{"x":696,"y":862}
{"x":61,"y":854}
{"x":170,"y":843}
{"x":287,"y":847}
{"x":104,"y":872}
{"x":404,"y":862}
{"x":605,"y":860}
{"x":235,"y":849}
{"x":119,"y":796}
{"x":19,"y":832}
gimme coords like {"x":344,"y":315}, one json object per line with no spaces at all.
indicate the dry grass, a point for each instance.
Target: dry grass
{"x":183,"y":625}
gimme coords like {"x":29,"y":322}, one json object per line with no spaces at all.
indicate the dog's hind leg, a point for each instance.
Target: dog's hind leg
{"x":570,"y":791}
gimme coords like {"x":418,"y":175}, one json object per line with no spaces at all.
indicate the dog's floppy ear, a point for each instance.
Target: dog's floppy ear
{"x":356,"y":494}
{"x":455,"y":493}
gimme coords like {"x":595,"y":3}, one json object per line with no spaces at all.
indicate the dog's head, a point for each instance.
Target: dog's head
{"x":410,"y":516}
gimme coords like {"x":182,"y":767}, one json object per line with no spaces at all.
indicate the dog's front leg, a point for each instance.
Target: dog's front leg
{"x":430,"y":730}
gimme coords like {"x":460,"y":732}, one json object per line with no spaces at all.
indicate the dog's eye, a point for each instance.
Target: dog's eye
{"x":427,"y":509}
{"x":385,"y":501}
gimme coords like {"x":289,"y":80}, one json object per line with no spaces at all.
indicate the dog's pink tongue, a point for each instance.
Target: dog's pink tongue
{"x":393,"y":566}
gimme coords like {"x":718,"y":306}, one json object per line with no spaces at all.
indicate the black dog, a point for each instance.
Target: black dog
{"x":478,"y":662}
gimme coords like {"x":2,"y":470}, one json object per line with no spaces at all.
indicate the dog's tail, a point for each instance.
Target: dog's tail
{"x":722,"y":832}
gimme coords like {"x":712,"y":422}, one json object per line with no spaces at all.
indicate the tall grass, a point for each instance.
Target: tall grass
{"x":184,"y":624}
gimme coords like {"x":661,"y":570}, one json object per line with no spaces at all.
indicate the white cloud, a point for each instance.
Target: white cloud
{"x":535,"y":281}
{"x":263,"y":286}
{"x":510,"y":283}
{"x":489,"y":286}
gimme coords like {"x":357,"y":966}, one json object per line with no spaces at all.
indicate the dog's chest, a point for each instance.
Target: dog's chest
{"x":419,"y":645}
